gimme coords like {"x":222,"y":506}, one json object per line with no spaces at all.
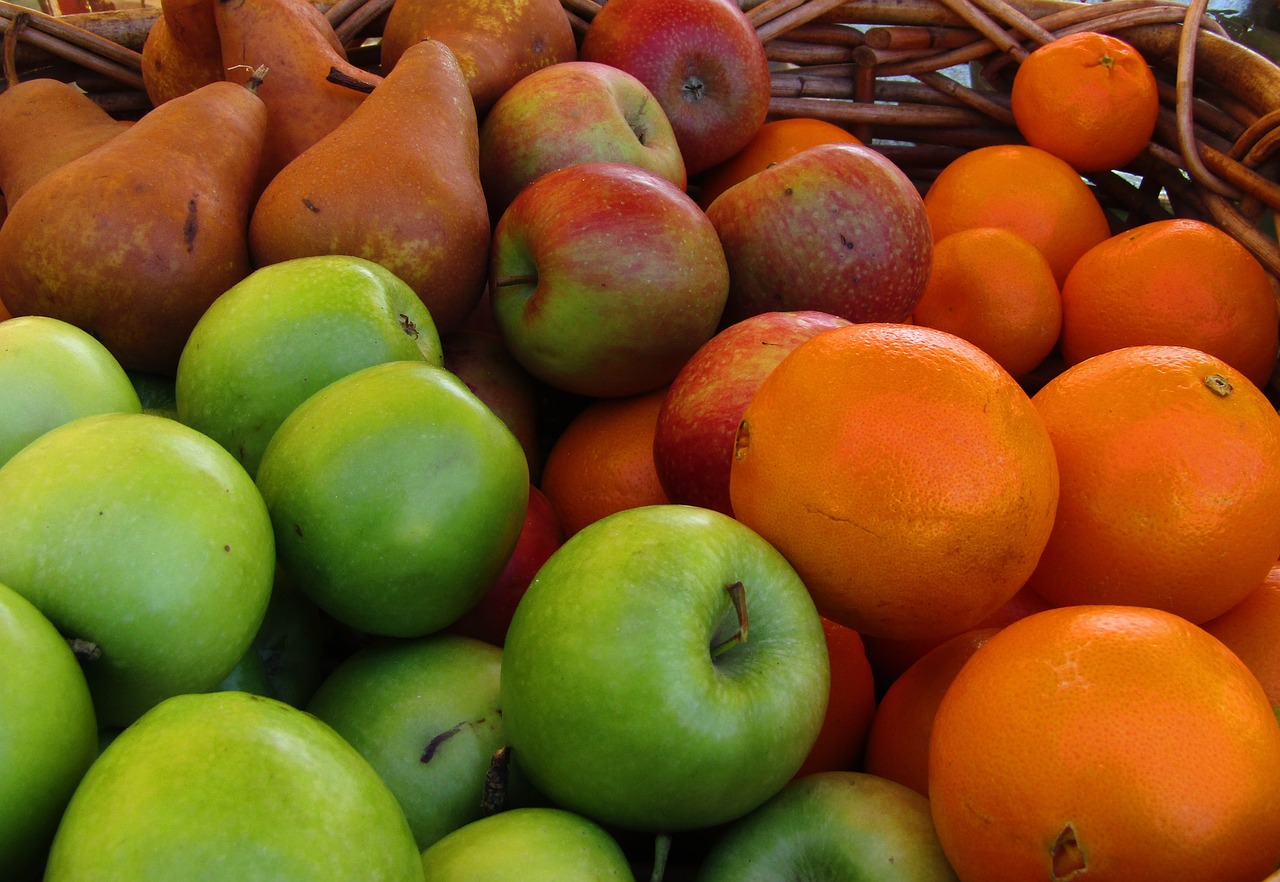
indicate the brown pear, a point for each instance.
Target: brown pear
{"x":497,"y":42}
{"x":134,"y":240}
{"x":181,"y":52}
{"x":44,"y":124}
{"x":397,"y":183}
{"x":287,"y":38}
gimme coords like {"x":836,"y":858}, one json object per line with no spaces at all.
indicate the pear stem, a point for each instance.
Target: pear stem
{"x":16,"y":27}
{"x":346,"y":80}
{"x":256,"y":78}
{"x":738,"y":596}
{"x":661,"y":850}
{"x":494,"y":797}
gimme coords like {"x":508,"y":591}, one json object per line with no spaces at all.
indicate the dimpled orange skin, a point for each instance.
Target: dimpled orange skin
{"x":1170,"y":492}
{"x":1181,"y":282}
{"x":902,"y":472}
{"x":1106,"y":744}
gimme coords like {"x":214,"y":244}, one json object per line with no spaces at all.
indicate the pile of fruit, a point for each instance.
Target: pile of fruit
{"x":514,"y":447}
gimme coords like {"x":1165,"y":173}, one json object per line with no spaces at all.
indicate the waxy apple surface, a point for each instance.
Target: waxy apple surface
{"x":396,"y":496}
{"x":631,"y":693}
{"x":232,"y":787}
{"x":50,"y":373}
{"x":569,"y":113}
{"x":605,"y":278}
{"x":146,"y":541}
{"x":836,"y":228}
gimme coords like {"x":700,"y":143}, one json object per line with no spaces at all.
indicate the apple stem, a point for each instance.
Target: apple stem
{"x":84,"y":650}
{"x":661,"y":849}
{"x":738,"y":596}
{"x":507,"y":281}
{"x":494,"y":797}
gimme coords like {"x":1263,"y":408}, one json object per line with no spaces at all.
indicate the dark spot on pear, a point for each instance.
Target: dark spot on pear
{"x":190,"y":227}
{"x":311,"y":206}
{"x":297,"y":528}
{"x":434,"y":744}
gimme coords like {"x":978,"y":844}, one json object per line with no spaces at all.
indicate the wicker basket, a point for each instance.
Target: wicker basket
{"x":921,"y":80}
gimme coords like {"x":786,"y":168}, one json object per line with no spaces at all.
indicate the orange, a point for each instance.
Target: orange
{"x":898,"y":743}
{"x":1109,"y":744}
{"x":995,"y":289}
{"x":889,"y":659}
{"x":1251,"y":629}
{"x":902,"y":472}
{"x":850,"y":705}
{"x":1179,"y":282}
{"x":773,"y":141}
{"x":1024,"y":189}
{"x":1170,"y":467}
{"x":602,"y":462}
{"x":1087,"y":98}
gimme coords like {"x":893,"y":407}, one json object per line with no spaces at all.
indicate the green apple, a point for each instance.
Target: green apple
{"x":48,"y":733}
{"x":287,"y":658}
{"x":232,"y":787}
{"x":665,"y":670}
{"x":425,"y":714}
{"x":147,"y":544}
{"x":832,"y":827}
{"x":50,"y":373}
{"x":286,"y":331}
{"x":532,"y":844}
{"x":397,"y":497}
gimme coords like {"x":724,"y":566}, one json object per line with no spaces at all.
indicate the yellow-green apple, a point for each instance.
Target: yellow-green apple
{"x":698,"y":421}
{"x":48,"y":734}
{"x":144,"y":542}
{"x":665,"y":671}
{"x":836,"y":827}
{"x":572,"y":112}
{"x":425,"y":714}
{"x":540,"y":536}
{"x":480,"y":359}
{"x":50,"y":373}
{"x":397,"y":497}
{"x":286,"y":331}
{"x":232,"y":787}
{"x":531,"y":844}
{"x":836,"y":227}
{"x":702,"y":60}
{"x":605,"y":278}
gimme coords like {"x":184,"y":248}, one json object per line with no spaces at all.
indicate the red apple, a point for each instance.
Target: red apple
{"x":836,"y":227}
{"x":605,"y":278}
{"x":699,"y":417}
{"x":540,"y":536}
{"x":703,"y":61}
{"x":568,"y":113}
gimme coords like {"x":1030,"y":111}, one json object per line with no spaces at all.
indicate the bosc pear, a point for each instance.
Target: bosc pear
{"x":299,"y":47}
{"x":44,"y":124}
{"x":496,"y":42}
{"x":181,"y":52}
{"x":397,"y":183}
{"x":134,"y":240}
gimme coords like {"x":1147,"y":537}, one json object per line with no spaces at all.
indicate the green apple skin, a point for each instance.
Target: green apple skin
{"x":285,"y":332}
{"x":613,"y":701}
{"x":287,"y":658}
{"x":568,"y":113}
{"x":146,"y":539}
{"x":397,"y":497}
{"x":48,"y":733}
{"x":52,"y":372}
{"x":425,"y":714}
{"x":232,"y":787}
{"x":605,"y":278}
{"x":531,"y":844}
{"x":832,"y":827}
